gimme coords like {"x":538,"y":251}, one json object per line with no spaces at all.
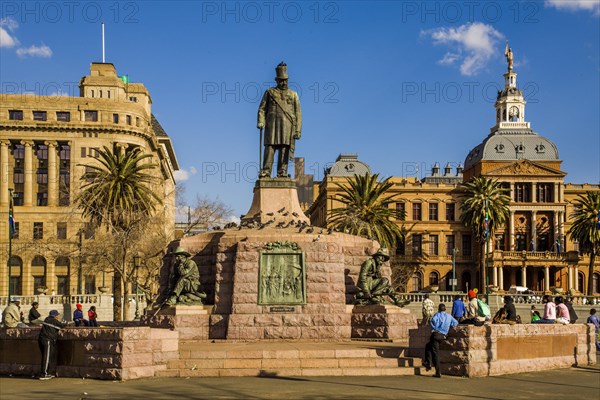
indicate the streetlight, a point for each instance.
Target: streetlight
{"x":136,"y":265}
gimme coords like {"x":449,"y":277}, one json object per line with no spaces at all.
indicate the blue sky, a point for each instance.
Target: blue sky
{"x":400,"y":83}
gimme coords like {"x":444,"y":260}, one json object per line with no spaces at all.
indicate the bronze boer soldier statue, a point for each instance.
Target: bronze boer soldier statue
{"x":280,"y":116}
{"x":372,"y":287}
{"x":186,"y":278}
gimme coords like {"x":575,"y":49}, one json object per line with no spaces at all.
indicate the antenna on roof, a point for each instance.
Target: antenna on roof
{"x":103,"y":57}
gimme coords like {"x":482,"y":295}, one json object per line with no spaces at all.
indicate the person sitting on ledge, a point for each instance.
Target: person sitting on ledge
{"x":472,"y":310}
{"x":509,"y":312}
{"x":186,"y":278}
{"x":78,"y":316}
{"x":549,"y":311}
{"x":562,"y":312}
{"x":372,"y":286}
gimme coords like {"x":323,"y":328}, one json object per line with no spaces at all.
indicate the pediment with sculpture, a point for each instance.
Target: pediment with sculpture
{"x":526,"y":167}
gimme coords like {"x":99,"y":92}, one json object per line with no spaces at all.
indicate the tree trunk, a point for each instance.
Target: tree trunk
{"x":118,"y":296}
{"x":590,"y":286}
{"x":126,"y":304}
{"x":483,"y":270}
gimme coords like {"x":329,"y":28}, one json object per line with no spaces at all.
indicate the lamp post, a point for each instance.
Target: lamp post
{"x":454,"y":251}
{"x":487,"y":245}
{"x":80,"y":266}
{"x":136,"y":265}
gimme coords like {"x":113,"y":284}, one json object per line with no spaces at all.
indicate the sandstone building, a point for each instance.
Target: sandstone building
{"x":532,"y":250}
{"x":44,"y":140}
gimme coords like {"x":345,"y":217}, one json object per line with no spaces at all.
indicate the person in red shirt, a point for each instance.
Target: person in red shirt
{"x":93,"y":316}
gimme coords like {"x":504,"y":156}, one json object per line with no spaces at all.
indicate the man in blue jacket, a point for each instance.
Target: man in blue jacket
{"x":440,"y":324}
{"x":458,"y":308}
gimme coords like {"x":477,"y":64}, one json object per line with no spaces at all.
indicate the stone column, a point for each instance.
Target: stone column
{"x":569,"y":277}
{"x":500,"y":278}
{"x":533,"y":192}
{"x":524,"y":276}
{"x":546,"y":279}
{"x":512,"y":191}
{"x":4,"y":144}
{"x":561,"y":192}
{"x":534,"y":229}
{"x":561,"y":230}
{"x":575,"y":277}
{"x":52,"y":174}
{"x":555,"y":187}
{"x":512,"y":230}
{"x":51,"y":280}
{"x":495,"y":276}
{"x":555,"y":227}
{"x":121,"y":147}
{"x":28,"y":187}
{"x":26,"y":277}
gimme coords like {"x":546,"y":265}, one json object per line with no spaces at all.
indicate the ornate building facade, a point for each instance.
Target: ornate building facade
{"x":45,"y":142}
{"x":531,"y":250}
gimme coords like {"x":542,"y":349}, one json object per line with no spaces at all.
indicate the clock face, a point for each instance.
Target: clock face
{"x":514,"y":111}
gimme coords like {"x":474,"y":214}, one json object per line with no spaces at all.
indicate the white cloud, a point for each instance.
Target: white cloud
{"x":575,"y":5}
{"x":6,"y":39}
{"x":473,"y":45}
{"x":35,"y":51}
{"x":182,"y":175}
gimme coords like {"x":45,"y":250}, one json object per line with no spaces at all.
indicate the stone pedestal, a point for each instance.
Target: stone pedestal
{"x":276,"y":200}
{"x":382,"y":322}
{"x":192,"y":322}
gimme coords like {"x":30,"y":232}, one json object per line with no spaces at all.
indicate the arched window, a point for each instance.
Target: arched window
{"x":466,"y":281}
{"x":16,"y":274}
{"x":417,"y":282}
{"x":434,"y":278}
{"x":596,"y":282}
{"x":580,"y":282}
{"x":38,"y":270}
{"x":63,"y":272}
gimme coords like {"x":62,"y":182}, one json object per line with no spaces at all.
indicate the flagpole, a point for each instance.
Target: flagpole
{"x":10,"y":235}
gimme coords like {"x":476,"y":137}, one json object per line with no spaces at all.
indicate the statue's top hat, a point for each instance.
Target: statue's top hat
{"x":281,"y":71}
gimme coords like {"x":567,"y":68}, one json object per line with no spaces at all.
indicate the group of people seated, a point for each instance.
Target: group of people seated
{"x":13,"y":317}
{"x":476,"y":311}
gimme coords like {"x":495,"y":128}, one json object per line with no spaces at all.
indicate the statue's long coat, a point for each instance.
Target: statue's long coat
{"x":280,"y":125}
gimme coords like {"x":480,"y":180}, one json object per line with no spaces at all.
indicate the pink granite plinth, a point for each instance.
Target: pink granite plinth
{"x":382,"y":322}
{"x":191,"y":321}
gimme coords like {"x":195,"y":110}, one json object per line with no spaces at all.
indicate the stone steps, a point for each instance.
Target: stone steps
{"x":299,"y":359}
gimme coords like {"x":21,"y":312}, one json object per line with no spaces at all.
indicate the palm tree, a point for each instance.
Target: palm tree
{"x":367,"y":210}
{"x":483,"y":196}
{"x":116,"y":193}
{"x":585,"y":229}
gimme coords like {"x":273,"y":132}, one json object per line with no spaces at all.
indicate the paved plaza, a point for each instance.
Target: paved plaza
{"x":572,"y":383}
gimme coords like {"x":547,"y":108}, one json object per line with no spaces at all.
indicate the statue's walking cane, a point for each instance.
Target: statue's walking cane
{"x":260,"y":152}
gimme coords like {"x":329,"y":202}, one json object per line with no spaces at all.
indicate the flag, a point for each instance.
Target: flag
{"x":124,"y":78}
{"x":486,"y":223}
{"x":11,"y":218}
{"x":598,"y":224}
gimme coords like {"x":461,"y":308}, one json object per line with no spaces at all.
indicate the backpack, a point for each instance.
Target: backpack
{"x":483,"y":310}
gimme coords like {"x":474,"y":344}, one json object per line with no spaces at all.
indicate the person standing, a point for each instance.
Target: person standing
{"x":34,"y":315}
{"x":428,"y":309}
{"x":440,"y":324}
{"x":280,"y":115}
{"x":458,"y":308}
{"x":47,"y":342}
{"x":593,"y":319}
{"x":572,"y":313}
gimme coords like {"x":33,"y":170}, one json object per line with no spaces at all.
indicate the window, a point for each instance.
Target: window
{"x":42,"y":176}
{"x":596,"y":282}
{"x":91,"y":116}
{"x":38,"y":230}
{"x":42,"y":199}
{"x":100,"y":93}
{"x":416,"y":212}
{"x":108,"y":94}
{"x":433,"y":245}
{"x":90,"y":284}
{"x":434,"y":278}
{"x":88,"y":231}
{"x":62,"y":284}
{"x":42,"y":152}
{"x":417,"y":241}
{"x":449,"y":244}
{"x":499,"y":242}
{"x":450,"y":212}
{"x":133,"y":98}
{"x":400,"y":211}
{"x":83,"y":152}
{"x":417,"y":283}
{"x":137,"y":121}
{"x":520,"y":242}
{"x":18,"y":175}
{"x":466,"y":245}
{"x":16,"y":232}
{"x":128,"y":119}
{"x":61,"y":230}
{"x":15,"y":115}
{"x":522,"y":192}
{"x":19,"y":151}
{"x":18,"y":198}
{"x":40,"y":116}
{"x":433,"y":211}
{"x":63,"y":116}
{"x":115,"y":118}
{"x":38,"y":281}
{"x":545,"y":192}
